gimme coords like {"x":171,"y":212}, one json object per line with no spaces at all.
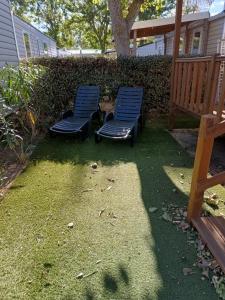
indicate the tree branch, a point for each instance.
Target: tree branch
{"x":115,"y":9}
{"x":133,"y":12}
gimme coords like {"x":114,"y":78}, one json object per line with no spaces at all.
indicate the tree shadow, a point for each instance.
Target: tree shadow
{"x":155,"y":155}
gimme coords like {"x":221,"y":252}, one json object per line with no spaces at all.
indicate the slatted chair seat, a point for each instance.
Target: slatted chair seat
{"x":85,"y":106}
{"x":125,"y":121}
{"x":117,"y":129}
{"x":70,"y":124}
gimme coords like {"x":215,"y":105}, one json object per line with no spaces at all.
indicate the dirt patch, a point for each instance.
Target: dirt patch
{"x":187,"y":138}
{"x":11,"y":167}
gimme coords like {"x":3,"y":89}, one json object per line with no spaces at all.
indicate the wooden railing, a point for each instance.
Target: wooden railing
{"x":211,"y":228}
{"x":208,"y":131}
{"x":197,"y":86}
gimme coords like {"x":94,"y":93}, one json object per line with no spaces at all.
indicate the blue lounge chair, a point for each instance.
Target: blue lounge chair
{"x":86,"y":108}
{"x":124,"y":123}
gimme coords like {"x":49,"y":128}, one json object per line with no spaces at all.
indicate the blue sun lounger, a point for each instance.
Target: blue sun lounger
{"x":86,"y":108}
{"x":124,"y":123}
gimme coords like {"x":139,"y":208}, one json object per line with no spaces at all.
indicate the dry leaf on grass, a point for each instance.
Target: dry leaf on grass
{"x":101,"y":212}
{"x":87,"y":190}
{"x":152,"y":209}
{"x":111,"y":180}
{"x":166,"y":217}
{"x":187,"y":271}
{"x":70,"y":225}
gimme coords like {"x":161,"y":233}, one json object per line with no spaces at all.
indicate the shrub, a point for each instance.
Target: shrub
{"x":16,"y":111}
{"x":55,"y":90}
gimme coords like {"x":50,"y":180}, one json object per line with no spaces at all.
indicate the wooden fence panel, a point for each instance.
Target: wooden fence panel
{"x":196,"y":82}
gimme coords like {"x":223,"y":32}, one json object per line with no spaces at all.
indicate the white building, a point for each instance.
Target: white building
{"x":19,"y":39}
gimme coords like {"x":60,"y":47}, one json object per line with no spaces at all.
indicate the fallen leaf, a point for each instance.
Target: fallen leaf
{"x":214,"y":196}
{"x":111,"y":214}
{"x":187,"y":271}
{"x":101,"y":212}
{"x":152,"y":209}
{"x":70,"y":225}
{"x":111,"y":180}
{"x":87,"y":190}
{"x":80,"y":275}
{"x":90,"y":274}
{"x":94,"y":165}
{"x":206,"y":273}
{"x":166,"y":217}
{"x":183,"y":225}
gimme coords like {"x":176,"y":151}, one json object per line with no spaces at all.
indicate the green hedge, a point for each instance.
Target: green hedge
{"x":56,"y":88}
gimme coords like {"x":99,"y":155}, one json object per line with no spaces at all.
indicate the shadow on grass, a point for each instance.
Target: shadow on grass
{"x":154,"y":151}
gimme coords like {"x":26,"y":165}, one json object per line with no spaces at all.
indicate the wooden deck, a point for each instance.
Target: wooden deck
{"x":212,"y":232}
{"x":199,"y":86}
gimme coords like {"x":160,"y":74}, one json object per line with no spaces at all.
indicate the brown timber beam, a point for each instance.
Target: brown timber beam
{"x":178,"y":18}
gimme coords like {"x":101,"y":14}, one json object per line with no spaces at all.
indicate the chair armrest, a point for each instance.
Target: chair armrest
{"x":109,"y":116}
{"x":67,"y":114}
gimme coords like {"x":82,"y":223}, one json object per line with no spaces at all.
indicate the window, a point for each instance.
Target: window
{"x":38,"y":49}
{"x":45,"y":46}
{"x":181,"y":46}
{"x":196,"y":42}
{"x":26,"y":39}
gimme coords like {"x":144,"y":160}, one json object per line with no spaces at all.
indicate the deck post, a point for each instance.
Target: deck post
{"x":201,"y":166}
{"x":165,"y":43}
{"x":135,"y":43}
{"x":187,"y":40}
{"x":178,"y":20}
{"x":210,"y":79}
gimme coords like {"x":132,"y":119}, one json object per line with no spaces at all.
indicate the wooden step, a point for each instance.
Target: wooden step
{"x":212,"y":232}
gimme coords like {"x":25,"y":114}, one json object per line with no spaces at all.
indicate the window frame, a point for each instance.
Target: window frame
{"x":200,"y":40}
{"x":182,"y":43}
{"x":29,"y":41}
{"x":44,"y":43}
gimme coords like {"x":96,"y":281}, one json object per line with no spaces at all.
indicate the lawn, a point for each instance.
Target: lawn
{"x":128,"y":252}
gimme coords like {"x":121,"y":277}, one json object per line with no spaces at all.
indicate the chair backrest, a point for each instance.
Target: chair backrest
{"x":86,"y":101}
{"x":128,"y":103}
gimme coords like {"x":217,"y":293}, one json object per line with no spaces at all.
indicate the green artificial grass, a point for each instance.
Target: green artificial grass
{"x":132,"y":253}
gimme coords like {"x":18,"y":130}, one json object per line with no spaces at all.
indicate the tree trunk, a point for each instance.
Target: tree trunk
{"x":120,"y":30}
{"x":121,"y":26}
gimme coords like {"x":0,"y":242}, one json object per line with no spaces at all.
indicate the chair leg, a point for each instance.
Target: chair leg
{"x":98,"y":138}
{"x":132,"y":141}
{"x":85,"y":132}
{"x":52,"y":134}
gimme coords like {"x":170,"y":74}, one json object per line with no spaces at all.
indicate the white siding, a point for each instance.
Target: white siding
{"x":169,"y":46}
{"x":215,"y":35}
{"x":146,"y":50}
{"x":156,"y":48}
{"x":8,"y":51}
{"x":36,"y":37}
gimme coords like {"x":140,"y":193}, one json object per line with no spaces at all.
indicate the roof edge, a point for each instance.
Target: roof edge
{"x":33,"y":27}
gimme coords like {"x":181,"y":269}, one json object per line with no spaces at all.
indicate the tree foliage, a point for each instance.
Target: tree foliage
{"x":87,"y":23}
{"x":51,"y":15}
{"x":155,"y":9}
{"x":91,"y":19}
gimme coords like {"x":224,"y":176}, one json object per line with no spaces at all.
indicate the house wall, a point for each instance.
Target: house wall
{"x":8,"y":50}
{"x":215,"y":34}
{"x":156,"y":48}
{"x":212,"y":31}
{"x":191,"y":31}
{"x":169,"y":45}
{"x":36,"y":37}
{"x":146,"y":50}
